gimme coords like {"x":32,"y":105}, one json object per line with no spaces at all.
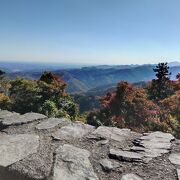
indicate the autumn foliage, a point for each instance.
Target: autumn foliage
{"x":46,"y":95}
{"x":128,"y":107}
{"x":156,"y":107}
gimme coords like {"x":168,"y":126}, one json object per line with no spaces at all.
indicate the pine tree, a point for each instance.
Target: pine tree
{"x":178,"y":76}
{"x":160,"y":87}
{"x":2,"y":72}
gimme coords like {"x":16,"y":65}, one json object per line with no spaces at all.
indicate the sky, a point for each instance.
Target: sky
{"x":90,"y":31}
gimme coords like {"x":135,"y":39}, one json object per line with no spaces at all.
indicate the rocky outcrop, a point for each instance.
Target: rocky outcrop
{"x":34,"y":147}
{"x":112,"y":134}
{"x":125,"y":155}
{"x":178,"y":173}
{"x":52,"y":123}
{"x":175,"y":158}
{"x":108,"y":165}
{"x":16,"y":119}
{"x":73,"y":131}
{"x":14,"y":148}
{"x":73,"y":163}
{"x":131,"y":177}
{"x":4,"y":114}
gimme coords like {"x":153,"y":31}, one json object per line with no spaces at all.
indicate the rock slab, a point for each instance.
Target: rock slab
{"x":178,"y":173}
{"x":131,"y":177}
{"x":14,"y":148}
{"x":107,"y":165}
{"x":111,"y":133}
{"x":5,"y":114}
{"x":125,"y":155}
{"x":175,"y":158}
{"x":153,"y":144}
{"x":52,"y":123}
{"x":74,"y":131}
{"x":72,"y":163}
{"x":21,"y":119}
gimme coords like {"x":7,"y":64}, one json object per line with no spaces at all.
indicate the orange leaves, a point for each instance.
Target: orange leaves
{"x":172,"y":104}
{"x":51,"y":78}
{"x":129,"y":106}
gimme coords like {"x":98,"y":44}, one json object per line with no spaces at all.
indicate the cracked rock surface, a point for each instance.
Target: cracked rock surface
{"x":34,"y":147}
{"x":131,"y":177}
{"x":52,"y":123}
{"x":14,"y":148}
{"x":178,"y":173}
{"x":73,"y":163}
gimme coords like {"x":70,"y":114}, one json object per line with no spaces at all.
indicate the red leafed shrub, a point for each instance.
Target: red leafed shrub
{"x":128,"y":106}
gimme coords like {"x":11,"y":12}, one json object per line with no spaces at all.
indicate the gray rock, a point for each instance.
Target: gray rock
{"x":35,"y":166}
{"x":178,"y":173}
{"x":72,"y":163}
{"x":111,"y":133}
{"x":33,"y":157}
{"x":175,"y":158}
{"x":159,"y":136}
{"x":138,"y":149}
{"x":149,"y":153}
{"x":107,"y":165}
{"x":21,"y":119}
{"x":74,"y":131}
{"x":52,"y":122}
{"x":125,"y":155}
{"x":131,"y":177}
{"x":14,"y":148}
{"x":103,"y":142}
{"x":153,"y":144}
{"x":152,"y":153}
{"x":5,"y":114}
{"x":156,"y":140}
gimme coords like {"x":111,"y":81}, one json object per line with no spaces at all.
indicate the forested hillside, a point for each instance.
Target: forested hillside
{"x":46,"y":95}
{"x":153,"y":107}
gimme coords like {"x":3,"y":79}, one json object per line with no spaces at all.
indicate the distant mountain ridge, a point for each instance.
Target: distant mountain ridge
{"x":87,"y":79}
{"x":174,"y":63}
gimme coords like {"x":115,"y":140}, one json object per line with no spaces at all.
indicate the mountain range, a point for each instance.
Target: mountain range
{"x":93,"y":80}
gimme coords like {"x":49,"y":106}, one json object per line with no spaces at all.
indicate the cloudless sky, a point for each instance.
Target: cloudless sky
{"x":90,"y":31}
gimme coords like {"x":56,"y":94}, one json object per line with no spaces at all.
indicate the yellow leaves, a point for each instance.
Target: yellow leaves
{"x":3,"y":97}
{"x":4,"y":101}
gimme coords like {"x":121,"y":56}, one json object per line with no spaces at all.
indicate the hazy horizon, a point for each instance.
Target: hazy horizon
{"x":90,"y":32}
{"x":79,"y":63}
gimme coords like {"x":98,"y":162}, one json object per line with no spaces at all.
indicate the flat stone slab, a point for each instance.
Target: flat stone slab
{"x":153,"y":144}
{"x":72,"y":163}
{"x":5,"y":114}
{"x":125,"y":155}
{"x":178,"y":173}
{"x":175,"y":158}
{"x":74,"y":131}
{"x":111,"y":133}
{"x":21,"y":119}
{"x":52,"y":123}
{"x":160,"y":136}
{"x":156,"y":140}
{"x":107,"y":165}
{"x":131,"y":177}
{"x":36,"y":166}
{"x":152,"y":153}
{"x":14,"y":148}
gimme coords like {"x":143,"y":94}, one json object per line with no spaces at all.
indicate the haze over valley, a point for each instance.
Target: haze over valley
{"x":90,"y":79}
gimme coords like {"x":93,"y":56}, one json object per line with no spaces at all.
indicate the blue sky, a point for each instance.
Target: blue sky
{"x":90,"y":31}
